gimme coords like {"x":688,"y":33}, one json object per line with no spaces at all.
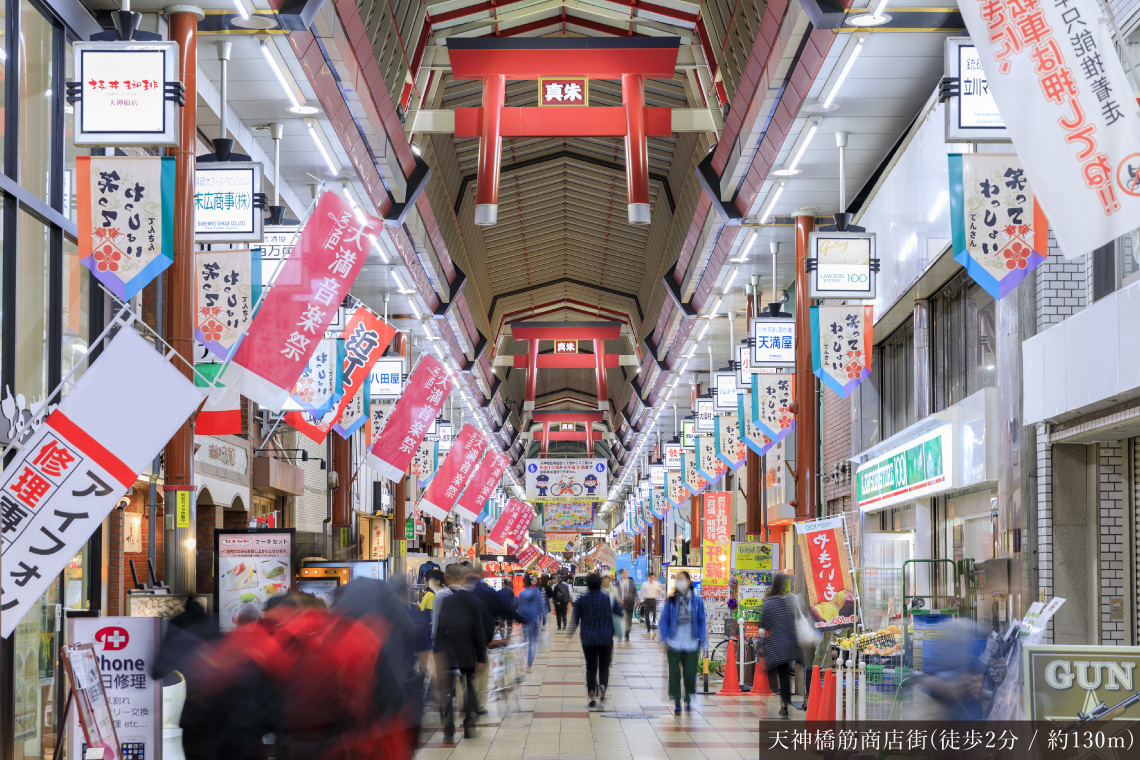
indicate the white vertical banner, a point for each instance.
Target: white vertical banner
{"x":1071,"y":112}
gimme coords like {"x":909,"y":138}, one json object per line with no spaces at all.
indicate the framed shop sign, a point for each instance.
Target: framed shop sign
{"x":120,"y":92}
{"x":773,"y":341}
{"x":842,"y":265}
{"x":253,"y":566}
{"x":972,"y":114}
{"x":226,"y":202}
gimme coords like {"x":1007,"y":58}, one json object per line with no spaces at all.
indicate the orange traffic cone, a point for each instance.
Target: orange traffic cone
{"x":760,"y":687}
{"x":731,"y":685}
{"x":827,"y":702}
{"x":814,"y":695}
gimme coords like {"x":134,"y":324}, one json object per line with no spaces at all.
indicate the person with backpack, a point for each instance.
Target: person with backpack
{"x":682,"y":628}
{"x":532,"y":606}
{"x":460,"y":646}
{"x":562,"y":599}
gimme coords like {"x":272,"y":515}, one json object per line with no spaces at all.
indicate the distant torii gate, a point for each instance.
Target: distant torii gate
{"x":555,"y":417}
{"x":598,"y":332}
{"x":494,"y":60}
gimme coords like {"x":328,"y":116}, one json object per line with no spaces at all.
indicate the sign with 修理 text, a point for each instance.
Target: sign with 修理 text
{"x":566,"y":479}
{"x":563,"y":91}
{"x":827,"y":559}
{"x":1069,"y":109}
{"x":122,"y":93}
{"x":226,"y":202}
{"x":773,"y":341}
{"x":842,"y":263}
{"x":972,"y":114}
{"x":921,"y":467}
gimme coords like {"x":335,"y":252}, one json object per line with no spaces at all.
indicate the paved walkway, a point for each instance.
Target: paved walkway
{"x":549,"y":718}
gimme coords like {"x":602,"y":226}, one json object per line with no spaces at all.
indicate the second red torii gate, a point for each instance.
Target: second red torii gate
{"x":555,"y":417}
{"x":598,"y":332}
{"x":494,"y":60}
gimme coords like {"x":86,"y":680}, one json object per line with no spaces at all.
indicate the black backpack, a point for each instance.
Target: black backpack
{"x":561,"y":593}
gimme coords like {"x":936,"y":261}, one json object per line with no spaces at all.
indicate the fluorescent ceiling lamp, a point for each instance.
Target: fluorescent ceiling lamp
{"x":704,"y":331}
{"x":333,"y":168}
{"x":939,"y":204}
{"x":241,"y":9}
{"x":882,"y":6}
{"x":804,"y":146}
{"x":843,"y":73}
{"x":416,"y":309}
{"x":265,"y":51}
{"x":399,"y":281}
{"x":747,"y":249}
{"x":772,"y":203}
{"x":684,"y":366}
{"x":716,"y":306}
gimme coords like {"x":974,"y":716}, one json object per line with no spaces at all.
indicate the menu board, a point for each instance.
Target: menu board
{"x":253,"y":567}
{"x":91,"y":700}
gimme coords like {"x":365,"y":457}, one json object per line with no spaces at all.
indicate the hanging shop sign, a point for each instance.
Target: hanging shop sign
{"x":704,"y":415}
{"x":127,"y":93}
{"x":276,"y":245}
{"x":715,"y":545}
{"x":972,"y":114}
{"x":445,"y":433}
{"x":425,"y":462}
{"x":999,"y":232}
{"x":253,"y":567}
{"x":745,"y":370}
{"x":772,"y":399}
{"x":225,"y":297}
{"x":919,"y":468}
{"x":827,"y":558}
{"x":366,"y":337}
{"x":1063,"y":681}
{"x":387,"y":377}
{"x":753,"y":437}
{"x":559,"y":543}
{"x":410,"y":418}
{"x":568,"y":516}
{"x":841,"y":265}
{"x":688,"y":433}
{"x":755,"y":556}
{"x":454,"y":472}
{"x":841,"y":345}
{"x":657,"y":474}
{"x":709,"y":465}
{"x":283,"y":334}
{"x":482,"y":484}
{"x":563,"y":91}
{"x":125,"y":213}
{"x":773,"y":342}
{"x":725,"y":391}
{"x":673,"y":452}
{"x":228,"y":202}
{"x":565,"y":346}
{"x":730,"y":447}
{"x":566,"y":479}
{"x":321,"y":384}
{"x":1070,"y":111}
{"x":71,"y":472}
{"x":675,"y":490}
{"x":689,"y":475}
{"x":127,"y":650}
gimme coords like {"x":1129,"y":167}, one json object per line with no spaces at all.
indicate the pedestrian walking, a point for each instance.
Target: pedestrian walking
{"x":532,"y":606}
{"x":460,"y":647}
{"x":683,"y":632}
{"x":562,"y":598}
{"x":609,"y":588}
{"x":544,"y":587}
{"x":650,"y":593}
{"x":778,"y":628}
{"x":594,"y":612}
{"x":627,"y":592}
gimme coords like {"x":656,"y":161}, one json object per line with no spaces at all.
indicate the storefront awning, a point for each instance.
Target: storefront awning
{"x":223,"y":493}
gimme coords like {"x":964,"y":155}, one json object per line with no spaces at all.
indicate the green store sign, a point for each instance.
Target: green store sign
{"x":922,"y":467}
{"x":410,"y":529}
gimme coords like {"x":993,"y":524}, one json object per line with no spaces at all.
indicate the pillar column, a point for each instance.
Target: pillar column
{"x":531,"y":374}
{"x":545,"y":438}
{"x":807,"y":403}
{"x":399,"y":494}
{"x":490,"y":150}
{"x":636,"y":148}
{"x":695,"y":523}
{"x":180,"y":544}
{"x":600,"y":374}
{"x":753,"y":467}
{"x":342,"y":496}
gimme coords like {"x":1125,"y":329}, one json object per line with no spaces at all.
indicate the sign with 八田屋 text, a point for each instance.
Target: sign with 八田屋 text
{"x":454,"y":472}
{"x":566,"y":479}
{"x":826,"y":557}
{"x":296,"y":312}
{"x":918,"y":468}
{"x":387,"y":377}
{"x":1069,"y":109}
{"x":410,"y":418}
{"x":773,"y":341}
{"x":62,"y":484}
{"x":842,"y":265}
{"x":226,"y":202}
{"x":122,"y":93}
{"x":563,"y":91}
{"x":565,"y":346}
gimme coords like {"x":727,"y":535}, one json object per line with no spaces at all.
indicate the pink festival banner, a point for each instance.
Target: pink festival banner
{"x":481,"y":485}
{"x":299,"y":307}
{"x":410,"y":418}
{"x":514,"y":517}
{"x":453,"y":474}
{"x":528,"y":555}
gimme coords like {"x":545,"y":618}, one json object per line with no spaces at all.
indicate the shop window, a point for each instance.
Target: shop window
{"x":32,"y":293}
{"x":963,"y":341}
{"x":896,"y":380}
{"x":37,"y":86}
{"x":76,"y":287}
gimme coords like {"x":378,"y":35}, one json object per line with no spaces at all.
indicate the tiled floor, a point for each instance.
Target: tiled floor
{"x":549,"y":718}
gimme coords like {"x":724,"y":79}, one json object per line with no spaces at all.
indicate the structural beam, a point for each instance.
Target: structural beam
{"x":535,"y":331}
{"x":473,"y":58}
{"x":531,"y":375}
{"x":600,"y":374}
{"x":567,"y":361}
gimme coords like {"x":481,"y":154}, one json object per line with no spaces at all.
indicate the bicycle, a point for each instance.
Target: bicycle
{"x":719,"y":654}
{"x":561,"y":489}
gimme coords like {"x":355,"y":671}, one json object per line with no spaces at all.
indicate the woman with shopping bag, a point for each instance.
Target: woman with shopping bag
{"x":787,"y":632}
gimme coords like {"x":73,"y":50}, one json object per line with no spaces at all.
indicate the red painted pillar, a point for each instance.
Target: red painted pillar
{"x":589,"y":438}
{"x":545,"y":438}
{"x":600,"y":374}
{"x":490,"y":150}
{"x":636,"y":148}
{"x":807,"y":405}
{"x":531,"y":367}
{"x":695,"y":522}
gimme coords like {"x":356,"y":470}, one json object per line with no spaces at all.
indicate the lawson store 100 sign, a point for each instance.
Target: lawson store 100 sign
{"x":566,"y":479}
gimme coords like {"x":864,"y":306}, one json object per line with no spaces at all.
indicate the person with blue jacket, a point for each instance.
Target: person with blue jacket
{"x":682,"y":630}
{"x":532,"y":606}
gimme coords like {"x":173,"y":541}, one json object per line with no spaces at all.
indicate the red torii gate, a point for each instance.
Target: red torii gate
{"x":598,"y":332}
{"x":556,"y":417}
{"x":494,"y":60}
